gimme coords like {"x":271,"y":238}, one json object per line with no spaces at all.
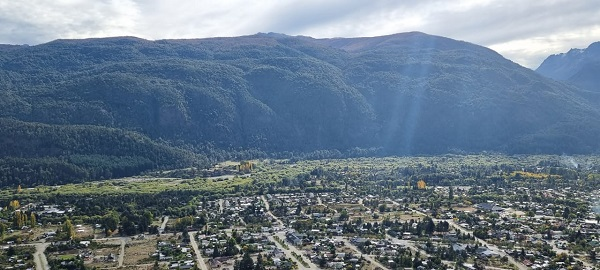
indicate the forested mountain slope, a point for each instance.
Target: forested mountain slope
{"x":408,"y":93}
{"x":34,"y":153}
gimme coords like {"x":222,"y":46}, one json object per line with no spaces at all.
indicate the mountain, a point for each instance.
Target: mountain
{"x":579,"y":67}
{"x":408,"y":93}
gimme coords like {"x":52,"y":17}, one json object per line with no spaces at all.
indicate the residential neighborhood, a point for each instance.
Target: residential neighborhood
{"x":359,"y":226}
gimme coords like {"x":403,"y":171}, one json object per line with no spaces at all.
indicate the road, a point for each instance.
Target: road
{"x":319,"y":201}
{"x":292,"y":248}
{"x":41,"y":263}
{"x":558,"y":250}
{"x":199,"y":259}
{"x":405,"y":243}
{"x":267,"y":207}
{"x":281,"y":235}
{"x":492,"y":247}
{"x":122,"y":251}
{"x":367,"y":257}
{"x":122,"y":242}
{"x":163,"y":225}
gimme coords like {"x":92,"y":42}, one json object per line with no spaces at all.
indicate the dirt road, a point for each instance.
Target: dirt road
{"x":199,"y":259}
{"x":41,"y":263}
{"x":163,"y":225}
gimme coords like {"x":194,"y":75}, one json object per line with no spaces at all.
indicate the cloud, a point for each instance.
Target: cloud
{"x":523,"y":31}
{"x":38,"y":21}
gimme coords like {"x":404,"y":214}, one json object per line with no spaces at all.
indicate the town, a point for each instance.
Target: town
{"x":445,"y":212}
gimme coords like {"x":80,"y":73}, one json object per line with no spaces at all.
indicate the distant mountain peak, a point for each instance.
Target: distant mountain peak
{"x":577,"y":66}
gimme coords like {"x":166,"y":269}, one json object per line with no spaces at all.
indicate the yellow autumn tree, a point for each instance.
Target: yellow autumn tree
{"x":19,"y":220}
{"x":245,"y":166}
{"x":32,"y":220}
{"x":421,"y":184}
{"x":14,"y":205}
{"x":68,"y":229}
{"x":19,"y":189}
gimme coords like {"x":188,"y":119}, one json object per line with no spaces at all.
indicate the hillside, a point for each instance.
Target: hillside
{"x":407,"y":93}
{"x":579,"y":67}
{"x":34,"y":153}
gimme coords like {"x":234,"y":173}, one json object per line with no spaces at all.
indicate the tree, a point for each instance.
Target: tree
{"x":11,"y":251}
{"x":128,"y":227}
{"x":322,"y":261}
{"x":231,"y":249}
{"x":429,"y":225}
{"x":145,"y":221}
{"x":19,"y":189}
{"x":246,"y":263}
{"x":14,"y":205}
{"x":216,"y":252}
{"x":69,"y":229}
{"x":344,"y":215}
{"x":259,"y":263}
{"x":567,"y":213}
{"x":32,"y":220}
{"x":421,"y":184}
{"x":3,"y":229}
{"x":17,"y":220}
{"x":451,"y":193}
{"x":110,"y":221}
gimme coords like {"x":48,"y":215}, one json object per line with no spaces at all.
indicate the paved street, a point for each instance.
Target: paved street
{"x":367,"y":257}
{"x":292,"y":248}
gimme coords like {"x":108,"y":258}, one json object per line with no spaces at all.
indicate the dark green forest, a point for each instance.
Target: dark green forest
{"x":76,"y":110}
{"x":34,"y":153}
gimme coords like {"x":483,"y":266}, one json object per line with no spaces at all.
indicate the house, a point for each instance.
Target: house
{"x":213,"y":263}
{"x":295,"y":238}
{"x":336,"y":265}
{"x":459,"y":247}
{"x":485,"y":252}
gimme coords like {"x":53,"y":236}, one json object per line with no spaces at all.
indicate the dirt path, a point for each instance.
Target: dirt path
{"x":199,"y":259}
{"x":163,"y":225}
{"x":122,"y":252}
{"x":41,"y":263}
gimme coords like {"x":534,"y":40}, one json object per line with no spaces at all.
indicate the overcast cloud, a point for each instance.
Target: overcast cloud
{"x":525,"y":31}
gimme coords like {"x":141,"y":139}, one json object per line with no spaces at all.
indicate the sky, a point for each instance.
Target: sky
{"x":524,"y":31}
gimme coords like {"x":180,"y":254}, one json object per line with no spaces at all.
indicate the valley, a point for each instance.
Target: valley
{"x":447,"y":211}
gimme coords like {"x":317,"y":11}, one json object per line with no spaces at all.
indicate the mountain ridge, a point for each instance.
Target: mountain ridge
{"x":579,"y":67}
{"x":409,"y":93}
